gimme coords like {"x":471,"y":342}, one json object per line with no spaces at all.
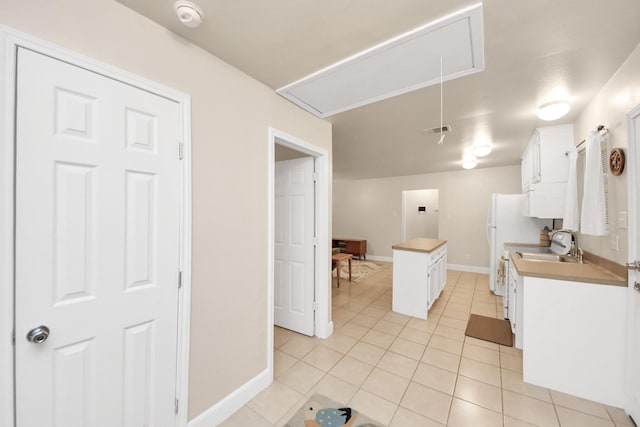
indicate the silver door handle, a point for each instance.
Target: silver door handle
{"x":38,"y":334}
{"x":633,"y":265}
{"x":636,"y":286}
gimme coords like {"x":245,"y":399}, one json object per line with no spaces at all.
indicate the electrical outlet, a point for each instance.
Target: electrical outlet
{"x":614,"y":243}
{"x":622,"y":220}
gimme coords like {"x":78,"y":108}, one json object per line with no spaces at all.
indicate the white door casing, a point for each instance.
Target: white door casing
{"x":97,"y":248}
{"x":632,"y":405}
{"x":294,"y":233}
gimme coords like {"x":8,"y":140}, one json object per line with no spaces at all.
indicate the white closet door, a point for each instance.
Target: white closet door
{"x":294,"y":247}
{"x":97,"y":234}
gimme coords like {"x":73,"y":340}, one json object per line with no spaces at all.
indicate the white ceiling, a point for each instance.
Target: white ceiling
{"x":533,"y":51}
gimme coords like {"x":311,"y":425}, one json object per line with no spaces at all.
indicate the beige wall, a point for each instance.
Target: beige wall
{"x":231,"y":114}
{"x":372,"y":209}
{"x":609,"y":107}
{"x":420,"y":224}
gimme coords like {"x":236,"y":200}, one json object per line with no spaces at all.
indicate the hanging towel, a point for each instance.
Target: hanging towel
{"x":593,"y":219}
{"x":571,"y":217}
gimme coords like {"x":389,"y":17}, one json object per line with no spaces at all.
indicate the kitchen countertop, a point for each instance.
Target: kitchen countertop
{"x":589,"y":272}
{"x":420,"y":245}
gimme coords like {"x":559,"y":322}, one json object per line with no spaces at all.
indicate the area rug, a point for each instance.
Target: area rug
{"x":490,"y":329}
{"x":359,"y":270}
{"x":320,"y":411}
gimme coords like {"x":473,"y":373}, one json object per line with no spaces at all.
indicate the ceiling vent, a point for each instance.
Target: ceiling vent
{"x":405,"y":63}
{"x":437,"y":130}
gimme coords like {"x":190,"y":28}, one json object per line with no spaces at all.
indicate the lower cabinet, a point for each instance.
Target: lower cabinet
{"x":574,"y":338}
{"x":418,"y":280}
{"x":514,"y":309}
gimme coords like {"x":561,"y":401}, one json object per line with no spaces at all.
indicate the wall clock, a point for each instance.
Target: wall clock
{"x":616,"y":161}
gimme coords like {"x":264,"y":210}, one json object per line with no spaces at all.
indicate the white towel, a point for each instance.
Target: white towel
{"x":571,"y":217}
{"x":593,"y":219}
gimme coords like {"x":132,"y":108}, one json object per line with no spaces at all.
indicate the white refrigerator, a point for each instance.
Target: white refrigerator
{"x":506,"y":223}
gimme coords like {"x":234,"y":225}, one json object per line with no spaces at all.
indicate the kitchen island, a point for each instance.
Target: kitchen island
{"x":419,"y":275}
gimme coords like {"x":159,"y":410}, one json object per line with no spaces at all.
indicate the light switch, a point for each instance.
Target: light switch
{"x":622,"y":220}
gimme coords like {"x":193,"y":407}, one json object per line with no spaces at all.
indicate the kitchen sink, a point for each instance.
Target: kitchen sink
{"x":532,"y":256}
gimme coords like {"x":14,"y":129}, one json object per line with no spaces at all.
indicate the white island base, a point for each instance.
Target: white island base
{"x":419,"y":275}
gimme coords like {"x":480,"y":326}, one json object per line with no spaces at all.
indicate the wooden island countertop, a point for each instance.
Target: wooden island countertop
{"x":420,"y":245}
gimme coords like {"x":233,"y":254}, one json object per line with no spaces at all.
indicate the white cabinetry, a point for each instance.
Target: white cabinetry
{"x":574,"y":338}
{"x":545,"y":169}
{"x":418,"y":279}
{"x":514,"y":312}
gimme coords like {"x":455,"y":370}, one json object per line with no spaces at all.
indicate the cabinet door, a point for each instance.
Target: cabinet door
{"x":513,"y":306}
{"x":525,"y":169}
{"x":432,"y":283}
{"x":536,"y":172}
{"x":442,"y":274}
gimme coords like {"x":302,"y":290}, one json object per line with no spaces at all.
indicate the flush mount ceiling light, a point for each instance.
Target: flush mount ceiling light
{"x":481,"y":148}
{"x":469,"y":161}
{"x":190,"y":14}
{"x":553,"y":110}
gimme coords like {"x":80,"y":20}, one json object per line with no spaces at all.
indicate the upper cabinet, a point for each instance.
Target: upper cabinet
{"x":545,"y":169}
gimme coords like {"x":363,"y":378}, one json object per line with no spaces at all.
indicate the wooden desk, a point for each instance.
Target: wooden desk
{"x":355,"y":247}
{"x":338,"y":258}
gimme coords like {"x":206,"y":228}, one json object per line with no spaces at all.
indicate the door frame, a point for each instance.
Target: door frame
{"x":633,"y":251}
{"x":323,"y":324}
{"x":10,"y":41}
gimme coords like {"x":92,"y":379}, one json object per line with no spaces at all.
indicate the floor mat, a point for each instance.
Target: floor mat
{"x":490,"y":329}
{"x":320,"y":411}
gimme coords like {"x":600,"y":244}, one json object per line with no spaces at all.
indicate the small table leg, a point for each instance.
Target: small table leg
{"x":338,"y":272}
{"x":349,"y":269}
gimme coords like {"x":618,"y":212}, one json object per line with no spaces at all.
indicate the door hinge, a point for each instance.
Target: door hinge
{"x":179,"y":279}
{"x":13,"y":337}
{"x":315,"y":306}
{"x":180,"y":150}
{"x":315,"y":241}
{"x":315,"y":177}
{"x":177,"y":406}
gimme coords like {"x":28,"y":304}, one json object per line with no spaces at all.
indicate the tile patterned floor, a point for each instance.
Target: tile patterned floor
{"x":403,"y":371}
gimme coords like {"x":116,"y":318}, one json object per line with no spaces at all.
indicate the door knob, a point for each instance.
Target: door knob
{"x":38,"y":334}
{"x":636,"y":286}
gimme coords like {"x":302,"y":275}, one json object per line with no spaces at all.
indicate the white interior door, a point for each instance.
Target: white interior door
{"x":294,"y":231}
{"x":97,"y":247}
{"x":633,"y":362}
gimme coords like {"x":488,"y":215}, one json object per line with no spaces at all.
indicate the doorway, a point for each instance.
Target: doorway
{"x":420,"y":210}
{"x":294,"y":240}
{"x":323,"y":327}
{"x":632,"y":404}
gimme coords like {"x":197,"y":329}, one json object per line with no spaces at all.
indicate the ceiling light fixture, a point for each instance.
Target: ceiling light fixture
{"x":553,"y":110}
{"x":481,"y":148}
{"x":469,"y":161}
{"x":190,"y":14}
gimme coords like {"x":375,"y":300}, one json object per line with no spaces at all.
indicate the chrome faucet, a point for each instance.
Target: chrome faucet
{"x":575,"y":251}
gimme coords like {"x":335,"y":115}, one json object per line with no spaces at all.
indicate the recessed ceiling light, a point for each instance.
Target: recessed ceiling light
{"x":469,"y":161}
{"x":190,"y":14}
{"x":553,"y":110}
{"x":481,"y":148}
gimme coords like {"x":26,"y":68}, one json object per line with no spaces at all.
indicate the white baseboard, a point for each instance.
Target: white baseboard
{"x":230,"y":404}
{"x":468,"y":268}
{"x":380,"y":258}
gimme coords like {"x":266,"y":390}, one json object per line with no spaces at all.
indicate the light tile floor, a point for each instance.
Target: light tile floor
{"x":403,"y":371}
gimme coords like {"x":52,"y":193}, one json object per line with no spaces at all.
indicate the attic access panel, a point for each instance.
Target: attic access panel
{"x":405,"y":63}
